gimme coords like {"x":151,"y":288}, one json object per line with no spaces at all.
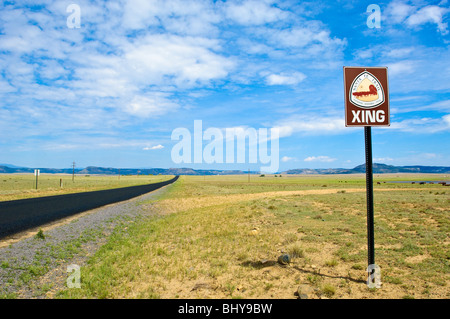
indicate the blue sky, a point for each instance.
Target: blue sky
{"x":111,"y":92}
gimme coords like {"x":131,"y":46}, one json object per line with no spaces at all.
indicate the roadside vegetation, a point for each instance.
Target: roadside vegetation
{"x":221,"y":237}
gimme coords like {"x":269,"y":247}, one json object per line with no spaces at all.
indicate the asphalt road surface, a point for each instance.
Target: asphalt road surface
{"x":23,"y":214}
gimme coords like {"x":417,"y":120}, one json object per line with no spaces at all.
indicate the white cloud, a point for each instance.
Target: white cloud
{"x":150,"y":105}
{"x":186,"y":17}
{"x":253,"y":12}
{"x":364,"y":53}
{"x":285,"y":79}
{"x":312,"y":35}
{"x":429,"y":14}
{"x":91,"y":143}
{"x":311,"y":124}
{"x":170,"y":59}
{"x":323,"y":159}
{"x":287,"y":159}
{"x":308,"y":42}
{"x":398,"y":12}
{"x":423,"y":125}
{"x":52,"y":70}
{"x":102,"y":80}
{"x":139,"y":14}
{"x":446,"y":120}
{"x":383,"y":159}
{"x":113,"y":66}
{"x":5,"y":87}
{"x":441,"y":106}
{"x":401,"y":68}
{"x":156,"y":147}
{"x":398,"y":53}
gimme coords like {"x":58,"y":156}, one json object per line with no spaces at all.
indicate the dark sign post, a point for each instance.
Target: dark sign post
{"x":369,"y":191}
{"x":367,"y":105}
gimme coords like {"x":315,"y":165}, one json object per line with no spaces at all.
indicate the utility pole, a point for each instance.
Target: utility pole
{"x":119,"y":173}
{"x":249,"y":175}
{"x":73,"y":172}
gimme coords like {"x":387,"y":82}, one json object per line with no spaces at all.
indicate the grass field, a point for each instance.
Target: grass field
{"x":221,"y":236}
{"x":19,"y":186}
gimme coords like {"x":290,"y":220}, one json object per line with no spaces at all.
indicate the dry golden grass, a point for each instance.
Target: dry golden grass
{"x":220,"y":237}
{"x":206,"y":245}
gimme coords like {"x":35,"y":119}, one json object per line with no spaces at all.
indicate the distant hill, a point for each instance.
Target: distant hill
{"x":9,"y":169}
{"x":15,"y":169}
{"x":157,"y":171}
{"x":94,"y":170}
{"x":9,"y":165}
{"x":377,"y":169}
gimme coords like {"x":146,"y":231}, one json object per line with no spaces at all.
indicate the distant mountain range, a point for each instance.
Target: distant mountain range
{"x":377,"y":169}
{"x":9,"y":169}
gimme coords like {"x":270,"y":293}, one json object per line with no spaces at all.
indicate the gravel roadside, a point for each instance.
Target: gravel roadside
{"x":37,"y":267}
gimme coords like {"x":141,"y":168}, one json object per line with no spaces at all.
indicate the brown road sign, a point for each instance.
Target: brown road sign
{"x":366,"y":96}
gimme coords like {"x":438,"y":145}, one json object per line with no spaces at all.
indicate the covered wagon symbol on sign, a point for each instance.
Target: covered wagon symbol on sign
{"x":366,"y":91}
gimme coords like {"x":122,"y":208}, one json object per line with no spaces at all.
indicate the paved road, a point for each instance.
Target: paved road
{"x":23,"y":214}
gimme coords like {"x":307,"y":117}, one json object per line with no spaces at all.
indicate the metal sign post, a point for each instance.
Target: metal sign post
{"x":369,"y":191}
{"x":36,"y":173}
{"x":367,"y":105}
